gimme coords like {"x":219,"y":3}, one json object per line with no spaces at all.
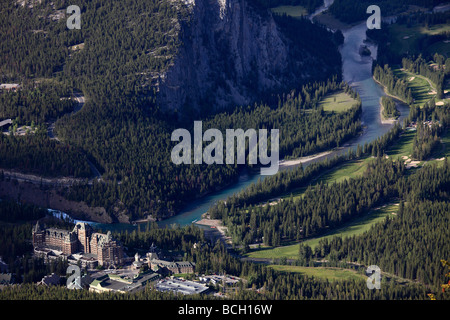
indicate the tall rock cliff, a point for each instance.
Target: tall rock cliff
{"x":231,"y":54}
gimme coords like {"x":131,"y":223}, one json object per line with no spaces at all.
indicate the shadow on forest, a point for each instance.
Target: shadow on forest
{"x":405,"y":139}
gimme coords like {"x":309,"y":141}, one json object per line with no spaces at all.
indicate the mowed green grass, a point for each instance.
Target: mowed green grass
{"x":353,"y":228}
{"x":347,"y":170}
{"x":338,"y":102}
{"x":293,"y":11}
{"x":403,"y":39}
{"x":403,"y":147}
{"x":331,"y":274}
{"x":420,"y":88}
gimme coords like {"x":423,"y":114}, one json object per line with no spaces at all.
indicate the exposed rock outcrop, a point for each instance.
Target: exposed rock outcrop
{"x":231,"y":53}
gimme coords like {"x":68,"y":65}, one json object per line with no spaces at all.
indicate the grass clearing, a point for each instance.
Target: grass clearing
{"x":338,"y":102}
{"x":293,"y":11}
{"x":403,"y":147}
{"x":330,"y":274}
{"x":353,"y":228}
{"x":404,"y":39}
{"x":347,"y":170}
{"x":420,"y":88}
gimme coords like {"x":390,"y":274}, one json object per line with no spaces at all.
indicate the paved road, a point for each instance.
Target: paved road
{"x":51,"y":126}
{"x":80,"y":99}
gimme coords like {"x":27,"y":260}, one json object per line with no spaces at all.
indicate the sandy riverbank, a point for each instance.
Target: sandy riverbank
{"x":215,"y":224}
{"x":294,"y":162}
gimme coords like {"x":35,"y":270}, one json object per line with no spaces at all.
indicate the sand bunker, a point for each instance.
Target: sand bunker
{"x":412,"y":164}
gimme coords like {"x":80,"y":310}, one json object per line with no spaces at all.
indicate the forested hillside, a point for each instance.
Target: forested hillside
{"x":325,"y":207}
{"x":389,"y":108}
{"x":393,"y":84}
{"x":413,"y":34}
{"x":36,"y":102}
{"x":115,"y":62}
{"x":412,"y":243}
{"x":152,"y":184}
{"x":36,"y":153}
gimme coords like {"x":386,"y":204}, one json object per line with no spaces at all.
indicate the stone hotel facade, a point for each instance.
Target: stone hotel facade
{"x":81,"y":239}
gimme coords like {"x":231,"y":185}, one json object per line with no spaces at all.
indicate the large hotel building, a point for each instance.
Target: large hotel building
{"x":81,"y":239}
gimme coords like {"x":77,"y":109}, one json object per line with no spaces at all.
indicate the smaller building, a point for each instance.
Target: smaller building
{"x":114,"y":283}
{"x":174,"y":266}
{"x":181,"y":286}
{"x":6,"y":279}
{"x":9,"y":86}
{"x":219,"y":279}
{"x":49,"y":254}
{"x":86,"y":260}
{"x":50,"y":280}
{"x":137,"y":263}
{"x":162,"y":266}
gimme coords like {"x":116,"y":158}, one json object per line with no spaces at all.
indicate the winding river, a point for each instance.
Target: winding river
{"x":357,"y":71}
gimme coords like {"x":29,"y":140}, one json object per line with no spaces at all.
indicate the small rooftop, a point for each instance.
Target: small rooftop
{"x":181,"y":286}
{"x":9,"y":86}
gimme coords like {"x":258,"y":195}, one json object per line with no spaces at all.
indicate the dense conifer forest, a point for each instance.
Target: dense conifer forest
{"x":411,"y":243}
{"x":286,"y":180}
{"x":120,"y":129}
{"x":394,"y":85}
{"x":114,"y":61}
{"x":416,"y":21}
{"x":151,"y":183}
{"x":389,"y":108}
{"x":421,"y":67}
{"x":36,"y":153}
{"x":325,"y":207}
{"x":36,"y":102}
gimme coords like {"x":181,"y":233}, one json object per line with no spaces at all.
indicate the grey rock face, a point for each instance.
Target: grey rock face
{"x":230,"y":55}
